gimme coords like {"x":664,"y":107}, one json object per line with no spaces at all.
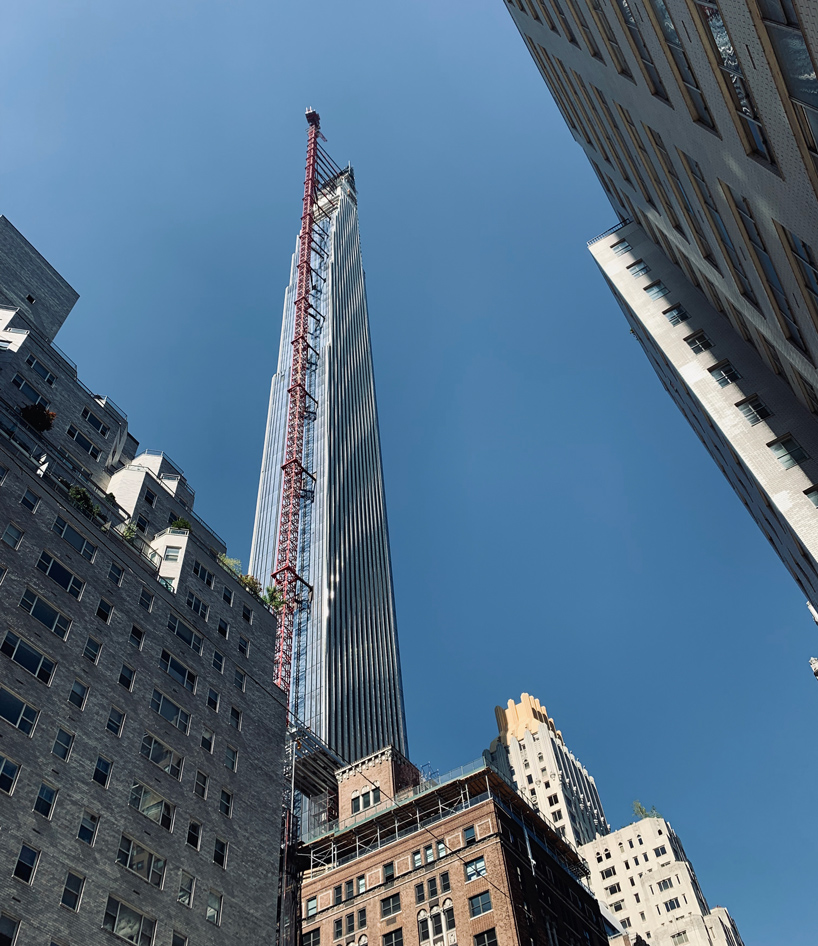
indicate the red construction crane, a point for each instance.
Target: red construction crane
{"x":285,"y":574}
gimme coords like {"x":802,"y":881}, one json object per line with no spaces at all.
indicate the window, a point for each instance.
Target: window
{"x":226,"y":803}
{"x":104,"y":610}
{"x":172,"y":553}
{"x":244,"y":646}
{"x":43,"y":612}
{"x":178,"y":939}
{"x":247,"y":614}
{"x":140,"y":860}
{"x":124,"y":921}
{"x":214,"y":908}
{"x":360,"y":884}
{"x":116,"y":720}
{"x":126,"y":676}
{"x":83,"y":442}
{"x":311,"y":937}
{"x":479,"y":904}
{"x":149,"y":803}
{"x":788,"y":452}
{"x":432,"y":888}
{"x":388,"y":872}
{"x":213,"y":700}
{"x":58,"y":573}
{"x":608,"y":872}
{"x":194,"y":834}
{"x":142,"y":523}
{"x":679,"y":938}
{"x":441,"y":849}
{"x":475,"y":869}
{"x":218,"y":661}
{"x":12,"y":536}
{"x":28,"y":657}
{"x":733,"y":82}
{"x":349,"y":923}
{"x":176,"y":669}
{"x":92,"y":649}
{"x":724,"y":374}
{"x":639,"y":268}
{"x":75,"y":539}
{"x":227,"y":596}
{"x":146,"y":599}
{"x":469,"y":836}
{"x":8,"y":774}
{"x":698,"y":342}
{"x":557,"y":815}
{"x":200,"y":785}
{"x":36,"y":365}
{"x":671,"y":905}
{"x":349,"y":890}
{"x":445,"y":886}
{"x":46,"y":798}
{"x":614,"y":888}
{"x":88,"y":827}
{"x":420,"y":893}
{"x":185,"y":633}
{"x":78,"y":694}
{"x":72,"y":891}
{"x":136,"y":637}
{"x":26,"y":864}
{"x":186,"y":884}
{"x":207,"y":739}
{"x":28,"y":391}
{"x":656,"y":290}
{"x":197,"y":606}
{"x":62,"y":744}
{"x":220,"y":853}
{"x":337,"y":895}
{"x":362,"y":918}
{"x":754,"y":410}
{"x":416,"y":860}
{"x":395,"y":938}
{"x":102,"y":771}
{"x":621,"y":247}
{"x":338,"y":928}
{"x":231,"y":757}
{"x":8,"y":930}
{"x":423,"y":929}
{"x":665,"y":884}
{"x":489,"y":938}
{"x":203,"y":574}
{"x":618,"y":906}
{"x":30,"y":500}
{"x":239,"y":679}
{"x":235,"y":718}
{"x":224,"y":628}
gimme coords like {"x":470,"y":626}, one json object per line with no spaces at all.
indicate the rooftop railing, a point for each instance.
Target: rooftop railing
{"x":610,"y":230}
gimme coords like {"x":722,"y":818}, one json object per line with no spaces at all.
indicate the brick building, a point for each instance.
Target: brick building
{"x":141,"y":736}
{"x":457,"y":859}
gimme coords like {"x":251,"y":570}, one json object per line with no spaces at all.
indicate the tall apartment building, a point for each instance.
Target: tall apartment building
{"x":346,"y":672}
{"x":700,"y":119}
{"x":141,"y":736}
{"x":459,"y":859}
{"x":644,"y":876}
{"x":531,"y":753}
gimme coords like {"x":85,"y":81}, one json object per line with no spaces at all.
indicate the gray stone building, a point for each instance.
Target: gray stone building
{"x":141,"y":737}
{"x":700,"y":119}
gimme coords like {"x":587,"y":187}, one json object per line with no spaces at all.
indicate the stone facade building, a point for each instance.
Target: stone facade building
{"x":457,"y":859}
{"x":532,"y":754}
{"x":700,"y":119}
{"x":141,"y":736}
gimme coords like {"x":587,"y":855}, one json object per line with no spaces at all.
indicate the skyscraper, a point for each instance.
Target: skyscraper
{"x":346,"y":678}
{"x":700,"y":119}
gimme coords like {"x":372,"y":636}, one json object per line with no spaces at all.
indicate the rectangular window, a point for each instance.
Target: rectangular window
{"x":235,"y":718}
{"x":420,"y":893}
{"x":338,"y":928}
{"x":12,"y":536}
{"x":28,"y":391}
{"x":72,"y":891}
{"x":36,"y":365}
{"x":656,"y":290}
{"x":176,"y":669}
{"x":349,"y":890}
{"x":185,"y":634}
{"x":469,"y":837}
{"x":116,"y":720}
{"x":754,"y":410}
{"x":146,"y":600}
{"x":218,"y":661}
{"x":639,"y":268}
{"x":432,"y":888}
{"x":136,"y":637}
{"x":390,"y":905}
{"x":152,"y":805}
{"x":46,"y":799}
{"x":239,"y":679}
{"x":194,"y":834}
{"x":104,"y":610}
{"x":224,"y":628}
{"x":30,"y":500}
{"x":141,"y":861}
{"x":608,"y":872}
{"x":231,"y":757}
{"x":172,"y":553}
{"x":665,"y":884}
{"x":475,"y":869}
{"x":220,"y":853}
{"x":213,"y":913}
{"x":676,"y":314}
{"x":170,"y":711}
{"x":698,"y":342}
{"x":26,"y":864}
{"x":95,"y":422}
{"x":102,"y":771}
{"x":445,"y":885}
{"x":88,"y":827}
{"x":247,"y":614}
{"x":362,"y":918}
{"x":82,"y":441}
{"x":672,"y":904}
{"x":78,"y":694}
{"x":244,"y":646}
{"x":28,"y":657}
{"x":197,"y":606}
{"x":621,"y":247}
{"x":226,"y":803}
{"x":200,"y":785}
{"x":724,"y":374}
{"x":213,"y":700}
{"x":126,"y":677}
{"x":788,"y":452}
{"x":203,"y":574}
{"x":47,"y":615}
{"x":388,"y":872}
{"x":128,"y":923}
{"x":227,"y":596}
{"x":186,"y":884}
{"x":92,"y":649}
{"x":58,"y":573}
{"x":62,"y":744}
{"x":150,"y":497}
{"x":479,"y":904}
{"x":678,"y":939}
{"x":207,"y":739}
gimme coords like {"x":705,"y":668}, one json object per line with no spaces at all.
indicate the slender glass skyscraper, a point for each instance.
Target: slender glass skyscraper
{"x":346,"y":677}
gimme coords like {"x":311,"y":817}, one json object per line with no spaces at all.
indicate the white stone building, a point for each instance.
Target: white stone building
{"x":643,"y":875}
{"x":532,"y":754}
{"x":700,"y":119}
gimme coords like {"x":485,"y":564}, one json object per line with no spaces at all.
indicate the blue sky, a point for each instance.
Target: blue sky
{"x":556,"y":526}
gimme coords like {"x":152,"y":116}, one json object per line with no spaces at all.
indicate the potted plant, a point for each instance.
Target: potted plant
{"x":38,"y":417}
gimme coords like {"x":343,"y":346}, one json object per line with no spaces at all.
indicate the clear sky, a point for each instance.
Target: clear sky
{"x":556,"y":526}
